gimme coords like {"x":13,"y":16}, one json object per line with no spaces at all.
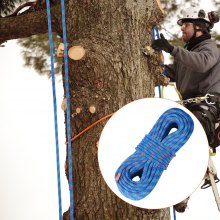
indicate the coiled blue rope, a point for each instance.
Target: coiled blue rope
{"x":153,"y":154}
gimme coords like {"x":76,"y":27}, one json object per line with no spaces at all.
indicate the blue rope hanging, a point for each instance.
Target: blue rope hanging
{"x":153,"y":154}
{"x":55,"y":109}
{"x":68,"y":114}
{"x":154,"y":37}
{"x":174,"y":214}
{"x":67,"y":110}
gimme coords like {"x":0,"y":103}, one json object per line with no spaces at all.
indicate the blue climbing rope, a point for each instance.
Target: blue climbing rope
{"x":68,"y":114}
{"x":55,"y":109}
{"x":174,"y":214}
{"x":156,"y":35}
{"x":153,"y":154}
{"x":67,"y":110}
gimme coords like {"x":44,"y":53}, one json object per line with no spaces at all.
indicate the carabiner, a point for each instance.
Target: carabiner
{"x":207,"y":96}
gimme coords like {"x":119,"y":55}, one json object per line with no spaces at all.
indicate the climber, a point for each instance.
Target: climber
{"x":196,"y":68}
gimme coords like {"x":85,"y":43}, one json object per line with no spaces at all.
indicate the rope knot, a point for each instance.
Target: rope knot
{"x":155,"y":151}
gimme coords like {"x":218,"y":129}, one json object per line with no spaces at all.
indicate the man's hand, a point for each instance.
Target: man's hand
{"x":162,"y":44}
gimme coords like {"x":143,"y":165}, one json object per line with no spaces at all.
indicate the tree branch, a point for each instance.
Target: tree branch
{"x":26,"y":25}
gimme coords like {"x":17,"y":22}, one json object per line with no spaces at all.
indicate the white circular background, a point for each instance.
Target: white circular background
{"x":124,"y":131}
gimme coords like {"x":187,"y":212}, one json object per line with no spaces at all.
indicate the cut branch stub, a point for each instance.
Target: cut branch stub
{"x":60,"y":50}
{"x":76,"y":52}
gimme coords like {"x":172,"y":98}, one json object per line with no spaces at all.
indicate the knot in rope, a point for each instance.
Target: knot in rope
{"x":156,"y":151}
{"x":153,"y":154}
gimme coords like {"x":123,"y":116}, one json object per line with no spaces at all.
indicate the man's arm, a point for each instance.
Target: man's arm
{"x":170,"y":72}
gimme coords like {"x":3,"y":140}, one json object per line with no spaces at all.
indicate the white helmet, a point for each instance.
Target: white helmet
{"x":193,"y":13}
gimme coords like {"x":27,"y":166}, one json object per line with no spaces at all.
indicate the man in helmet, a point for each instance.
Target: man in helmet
{"x":196,"y":68}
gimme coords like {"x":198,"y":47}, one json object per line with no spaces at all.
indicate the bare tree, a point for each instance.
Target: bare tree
{"x":114,"y":72}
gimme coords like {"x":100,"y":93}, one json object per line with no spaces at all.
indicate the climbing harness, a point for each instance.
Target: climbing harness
{"x":211,"y":177}
{"x":67,"y":111}
{"x":205,"y":108}
{"x":153,"y":154}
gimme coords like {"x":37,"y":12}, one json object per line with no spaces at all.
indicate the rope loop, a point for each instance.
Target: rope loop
{"x":153,"y":154}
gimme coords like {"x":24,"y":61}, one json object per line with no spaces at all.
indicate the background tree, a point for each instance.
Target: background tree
{"x":7,"y":6}
{"x":114,"y":72}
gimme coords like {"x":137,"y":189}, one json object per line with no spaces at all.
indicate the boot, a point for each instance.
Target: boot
{"x":181,"y":207}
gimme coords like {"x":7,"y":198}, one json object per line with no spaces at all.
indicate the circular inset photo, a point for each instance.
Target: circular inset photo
{"x":153,"y":153}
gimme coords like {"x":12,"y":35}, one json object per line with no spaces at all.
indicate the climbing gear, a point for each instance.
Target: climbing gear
{"x":207,"y":98}
{"x":213,"y":17}
{"x":174,"y":214}
{"x":181,"y":207}
{"x":216,"y":141}
{"x":68,"y":114}
{"x":211,"y":179}
{"x":67,"y":111}
{"x":206,"y":109}
{"x":90,"y":126}
{"x":193,"y":13}
{"x":207,"y":115}
{"x":55,"y":109}
{"x":153,"y":154}
{"x":207,"y":182}
{"x":162,"y":44}
{"x":156,"y":35}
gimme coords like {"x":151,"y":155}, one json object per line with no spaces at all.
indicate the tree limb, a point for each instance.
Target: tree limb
{"x":28,"y":24}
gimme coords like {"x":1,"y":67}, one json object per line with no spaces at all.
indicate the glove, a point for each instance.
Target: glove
{"x":162,"y":44}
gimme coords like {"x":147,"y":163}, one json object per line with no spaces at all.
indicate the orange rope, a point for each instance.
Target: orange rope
{"x":90,"y":126}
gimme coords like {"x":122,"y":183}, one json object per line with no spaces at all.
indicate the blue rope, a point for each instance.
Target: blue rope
{"x":174,"y":214}
{"x":55,"y":109}
{"x":153,"y":154}
{"x":154,"y":38}
{"x":68,"y":111}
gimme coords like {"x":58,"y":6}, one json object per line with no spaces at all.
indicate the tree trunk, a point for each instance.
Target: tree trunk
{"x":113,"y":72}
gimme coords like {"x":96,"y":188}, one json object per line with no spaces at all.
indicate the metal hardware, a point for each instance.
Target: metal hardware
{"x":198,"y":100}
{"x":206,"y":100}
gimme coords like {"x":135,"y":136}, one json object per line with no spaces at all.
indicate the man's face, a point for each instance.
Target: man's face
{"x":187,"y":31}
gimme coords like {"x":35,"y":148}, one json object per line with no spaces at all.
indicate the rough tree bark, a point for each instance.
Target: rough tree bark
{"x":114,"y":72}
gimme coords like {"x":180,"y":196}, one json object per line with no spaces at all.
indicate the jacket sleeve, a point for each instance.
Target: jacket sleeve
{"x":169,"y":71}
{"x":200,"y":61}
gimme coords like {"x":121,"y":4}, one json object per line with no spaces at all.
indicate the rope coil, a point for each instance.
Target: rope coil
{"x":153,"y":154}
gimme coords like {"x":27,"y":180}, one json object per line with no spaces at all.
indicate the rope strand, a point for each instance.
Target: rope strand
{"x":55,"y":109}
{"x":68,"y":111}
{"x":153,"y":154}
